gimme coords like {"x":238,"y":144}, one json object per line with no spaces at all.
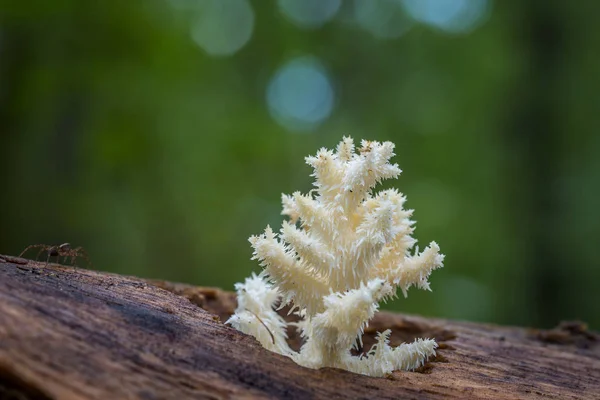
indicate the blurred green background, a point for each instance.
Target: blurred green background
{"x":160,"y":134}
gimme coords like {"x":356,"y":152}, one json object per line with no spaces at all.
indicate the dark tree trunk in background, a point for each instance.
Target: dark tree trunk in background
{"x":68,"y":333}
{"x":535,"y":135}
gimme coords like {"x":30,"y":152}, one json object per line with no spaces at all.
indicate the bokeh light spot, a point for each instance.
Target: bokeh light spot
{"x":300,"y":95}
{"x":454,"y":16}
{"x":384,"y":19}
{"x":309,"y":13}
{"x":223,"y":26}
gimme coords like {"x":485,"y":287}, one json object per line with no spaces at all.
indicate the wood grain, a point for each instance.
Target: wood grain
{"x":68,"y":333}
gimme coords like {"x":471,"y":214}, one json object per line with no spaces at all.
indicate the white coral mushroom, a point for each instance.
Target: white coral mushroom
{"x":351,"y":250}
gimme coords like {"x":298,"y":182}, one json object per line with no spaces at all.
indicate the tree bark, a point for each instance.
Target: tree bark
{"x":70,"y":333}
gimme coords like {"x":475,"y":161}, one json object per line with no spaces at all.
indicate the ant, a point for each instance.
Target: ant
{"x":63,"y":250}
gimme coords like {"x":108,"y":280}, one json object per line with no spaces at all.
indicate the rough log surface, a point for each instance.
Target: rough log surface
{"x":68,"y":333}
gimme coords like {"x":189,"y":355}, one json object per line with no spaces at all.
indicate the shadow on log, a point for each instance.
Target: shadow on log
{"x":68,"y":333}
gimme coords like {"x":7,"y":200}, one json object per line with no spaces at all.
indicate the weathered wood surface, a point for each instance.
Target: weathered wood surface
{"x":69,"y":333}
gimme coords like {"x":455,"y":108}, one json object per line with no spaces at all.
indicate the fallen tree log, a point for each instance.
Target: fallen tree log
{"x":69,"y":333}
